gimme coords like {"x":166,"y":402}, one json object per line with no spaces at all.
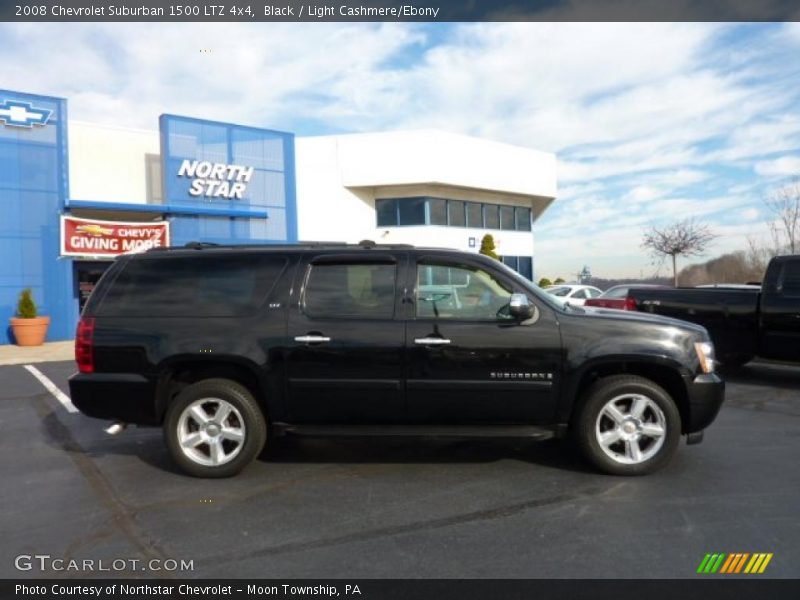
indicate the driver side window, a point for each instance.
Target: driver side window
{"x":460,"y":292}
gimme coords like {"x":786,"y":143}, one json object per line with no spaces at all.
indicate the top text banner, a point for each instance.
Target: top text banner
{"x":398,"y":11}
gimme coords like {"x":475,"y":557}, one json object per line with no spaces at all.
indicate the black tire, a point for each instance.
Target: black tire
{"x":253,"y":427}
{"x":587,"y":425}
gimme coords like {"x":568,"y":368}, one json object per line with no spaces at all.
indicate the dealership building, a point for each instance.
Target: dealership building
{"x":74,"y":195}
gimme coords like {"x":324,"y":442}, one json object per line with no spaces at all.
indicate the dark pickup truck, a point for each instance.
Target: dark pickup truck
{"x":221,"y":346}
{"x":743,"y":323}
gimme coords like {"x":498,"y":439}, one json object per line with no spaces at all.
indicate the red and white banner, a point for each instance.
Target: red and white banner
{"x":88,"y":237}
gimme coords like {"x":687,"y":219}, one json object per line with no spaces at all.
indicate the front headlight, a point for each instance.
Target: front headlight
{"x":705,"y":353}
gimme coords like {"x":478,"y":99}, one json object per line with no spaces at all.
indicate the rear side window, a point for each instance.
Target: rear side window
{"x":357,"y":290}
{"x":209,"y":286}
{"x":790,"y":279}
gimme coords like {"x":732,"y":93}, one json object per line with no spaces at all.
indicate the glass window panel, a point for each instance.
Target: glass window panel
{"x":558,"y":291}
{"x":491,"y":216}
{"x":525,"y":267}
{"x":387,"y":212}
{"x":523,"y":218}
{"x":507,"y":217}
{"x":437,"y":209}
{"x":474,"y":215}
{"x":616,"y":292}
{"x":439,"y":275}
{"x":363,"y":291}
{"x":456,"y":210}
{"x":224,"y":286}
{"x":791,"y":278}
{"x":412,"y":211}
{"x":459,"y":292}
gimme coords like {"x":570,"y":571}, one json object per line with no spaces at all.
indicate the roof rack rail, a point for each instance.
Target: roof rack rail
{"x":320,"y":243}
{"x":200,"y":245}
{"x":365,"y":244}
{"x":369,"y":244}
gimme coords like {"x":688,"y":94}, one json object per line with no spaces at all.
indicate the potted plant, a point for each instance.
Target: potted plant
{"x":488,"y":247}
{"x":29,"y":330}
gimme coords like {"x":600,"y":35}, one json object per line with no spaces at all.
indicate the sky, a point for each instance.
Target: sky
{"x":650,"y":123}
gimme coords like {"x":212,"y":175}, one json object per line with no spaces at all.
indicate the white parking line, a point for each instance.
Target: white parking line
{"x":51,"y":387}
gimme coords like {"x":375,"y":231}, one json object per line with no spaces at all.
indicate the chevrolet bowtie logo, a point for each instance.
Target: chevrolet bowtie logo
{"x":23,"y":114}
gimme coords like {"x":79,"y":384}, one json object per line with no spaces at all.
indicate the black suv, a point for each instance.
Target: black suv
{"x":221,"y":344}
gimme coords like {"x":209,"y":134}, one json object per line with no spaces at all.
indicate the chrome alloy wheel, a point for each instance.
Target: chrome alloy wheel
{"x":211,"y":432}
{"x":631,"y":429}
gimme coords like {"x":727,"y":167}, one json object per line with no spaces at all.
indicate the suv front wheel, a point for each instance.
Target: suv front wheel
{"x":214,"y":428}
{"x":628,"y":425}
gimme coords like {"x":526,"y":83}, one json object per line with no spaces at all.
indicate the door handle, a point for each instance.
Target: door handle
{"x":431,"y":341}
{"x":312,"y":339}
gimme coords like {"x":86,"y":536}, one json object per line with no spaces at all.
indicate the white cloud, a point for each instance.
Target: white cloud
{"x":781,"y":167}
{"x":792,"y":31}
{"x":759,"y":137}
{"x":749,"y":214}
{"x":651,"y":121}
{"x":643,"y":193}
{"x":578,"y":189}
{"x":265,"y":74}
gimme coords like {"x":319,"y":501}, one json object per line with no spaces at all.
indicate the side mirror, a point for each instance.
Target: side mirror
{"x":520,"y":308}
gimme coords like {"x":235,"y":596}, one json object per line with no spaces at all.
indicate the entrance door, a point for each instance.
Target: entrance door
{"x":87,"y":274}
{"x":469,"y":360}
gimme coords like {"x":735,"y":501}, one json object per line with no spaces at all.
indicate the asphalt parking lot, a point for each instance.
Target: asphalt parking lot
{"x":400,"y":508}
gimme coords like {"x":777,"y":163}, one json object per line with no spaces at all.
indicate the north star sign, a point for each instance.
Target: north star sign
{"x":216,"y":180}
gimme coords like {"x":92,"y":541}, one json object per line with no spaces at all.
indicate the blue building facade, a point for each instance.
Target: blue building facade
{"x":221,"y":183}
{"x":265,"y":211}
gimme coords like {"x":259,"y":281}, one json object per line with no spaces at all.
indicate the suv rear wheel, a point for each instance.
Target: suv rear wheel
{"x":628,"y":426}
{"x":214,"y":428}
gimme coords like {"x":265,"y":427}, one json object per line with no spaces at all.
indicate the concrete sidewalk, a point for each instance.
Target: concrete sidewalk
{"x":49,"y":352}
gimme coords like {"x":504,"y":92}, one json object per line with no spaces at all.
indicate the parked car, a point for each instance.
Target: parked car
{"x":617,"y":296}
{"x":572,"y":293}
{"x":222,"y":346}
{"x":744,"y":322}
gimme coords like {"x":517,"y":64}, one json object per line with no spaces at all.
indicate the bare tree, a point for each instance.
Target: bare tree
{"x":681,"y":238}
{"x":757,"y":257}
{"x":784,"y":204}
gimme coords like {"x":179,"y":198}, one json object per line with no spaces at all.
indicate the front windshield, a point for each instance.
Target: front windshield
{"x":558,"y":291}
{"x":615,"y":292}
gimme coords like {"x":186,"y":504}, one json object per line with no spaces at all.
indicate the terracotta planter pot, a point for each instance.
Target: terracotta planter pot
{"x":30,"y":332}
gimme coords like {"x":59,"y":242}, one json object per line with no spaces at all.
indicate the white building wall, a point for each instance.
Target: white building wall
{"x":509,"y":243}
{"x":326,"y":210}
{"x":109,"y":164}
{"x":430,"y":156}
{"x":339,"y":178}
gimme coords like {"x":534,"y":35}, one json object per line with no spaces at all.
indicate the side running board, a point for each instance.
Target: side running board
{"x":433,"y":431}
